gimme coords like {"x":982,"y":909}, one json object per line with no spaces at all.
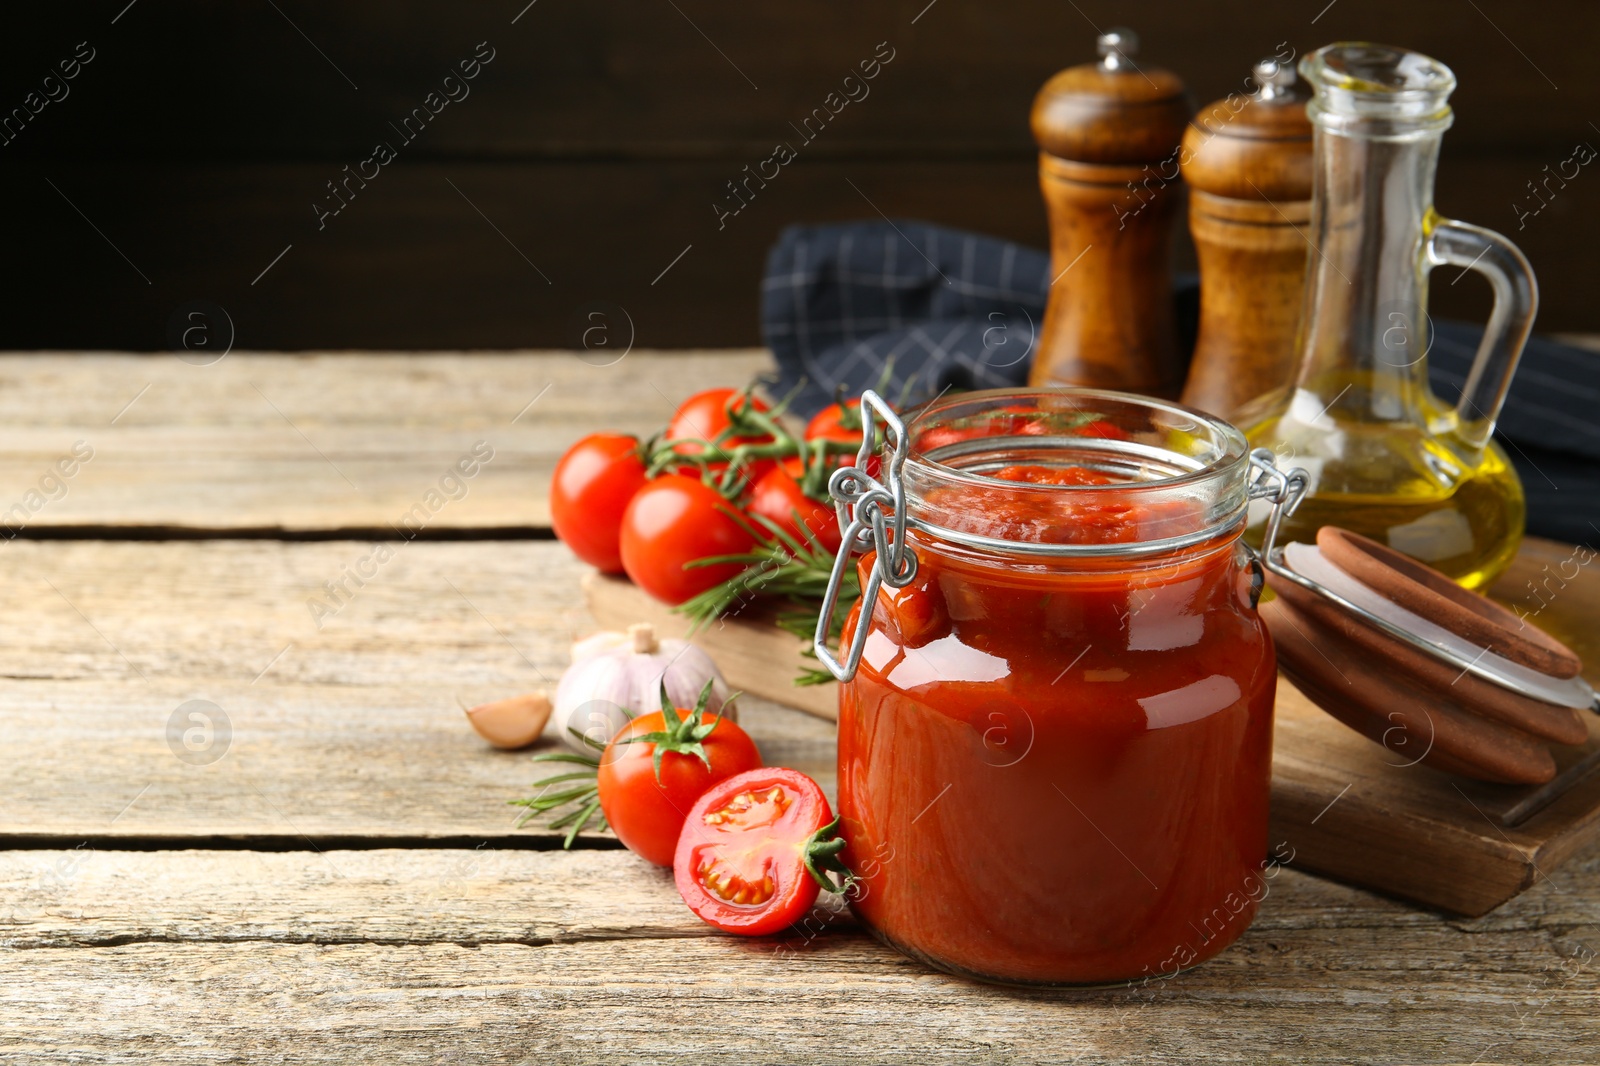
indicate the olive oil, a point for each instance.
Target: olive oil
{"x":1401,"y":486}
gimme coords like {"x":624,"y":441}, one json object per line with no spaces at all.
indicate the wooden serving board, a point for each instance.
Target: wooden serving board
{"x":1341,"y":805}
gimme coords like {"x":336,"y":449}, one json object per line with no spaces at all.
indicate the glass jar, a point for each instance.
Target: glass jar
{"x":1055,"y":745}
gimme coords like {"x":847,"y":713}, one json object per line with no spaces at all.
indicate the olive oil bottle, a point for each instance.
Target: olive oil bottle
{"x":1386,"y":457}
{"x":1402,"y":487}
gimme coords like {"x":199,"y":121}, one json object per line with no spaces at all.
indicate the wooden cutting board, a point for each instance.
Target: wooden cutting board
{"x":1341,"y":805}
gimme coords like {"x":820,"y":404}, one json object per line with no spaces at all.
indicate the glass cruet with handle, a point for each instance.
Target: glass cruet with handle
{"x":1387,"y":457}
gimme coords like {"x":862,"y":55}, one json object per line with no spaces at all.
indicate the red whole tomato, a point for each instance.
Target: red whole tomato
{"x":755,"y":850}
{"x":707,"y":415}
{"x":778,"y":498}
{"x":837,"y":421}
{"x":590,"y":490}
{"x":1103,"y":429}
{"x":673,"y":521}
{"x":658,"y":765}
{"x":841,"y":422}
{"x":939,"y":436}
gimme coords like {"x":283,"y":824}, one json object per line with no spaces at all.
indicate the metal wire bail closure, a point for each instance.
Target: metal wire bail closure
{"x":871,"y":516}
{"x":1285,"y":488}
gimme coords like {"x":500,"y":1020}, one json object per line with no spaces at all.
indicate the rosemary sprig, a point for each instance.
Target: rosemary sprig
{"x":802,"y":622}
{"x":585,"y":798}
{"x":781,"y":566}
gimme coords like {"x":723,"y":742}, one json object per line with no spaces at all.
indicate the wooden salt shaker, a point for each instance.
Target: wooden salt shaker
{"x":1108,"y":135}
{"x":1247,"y":161}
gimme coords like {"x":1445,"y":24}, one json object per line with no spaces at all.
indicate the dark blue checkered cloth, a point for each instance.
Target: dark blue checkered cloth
{"x":944,"y":308}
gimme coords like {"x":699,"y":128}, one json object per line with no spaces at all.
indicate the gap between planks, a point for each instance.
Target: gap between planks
{"x":364,"y":534}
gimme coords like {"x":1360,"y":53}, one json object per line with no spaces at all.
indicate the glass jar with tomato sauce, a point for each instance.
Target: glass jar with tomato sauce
{"x":1055,"y":748}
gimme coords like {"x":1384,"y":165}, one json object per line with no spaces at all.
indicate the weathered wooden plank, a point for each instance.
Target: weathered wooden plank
{"x":407,"y":956}
{"x":306,"y":765}
{"x":319,"y":442}
{"x":88,"y":897}
{"x":348,"y":730}
{"x":847,"y":1001}
{"x":96,"y":897}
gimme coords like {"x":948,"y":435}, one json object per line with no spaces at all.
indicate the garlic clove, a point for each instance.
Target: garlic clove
{"x":511,"y":723}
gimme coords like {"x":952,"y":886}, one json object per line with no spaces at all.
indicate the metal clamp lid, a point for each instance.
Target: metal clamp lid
{"x":861,"y":501}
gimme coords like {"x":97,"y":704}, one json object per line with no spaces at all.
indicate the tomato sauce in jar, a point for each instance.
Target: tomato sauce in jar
{"x":1056,"y":748}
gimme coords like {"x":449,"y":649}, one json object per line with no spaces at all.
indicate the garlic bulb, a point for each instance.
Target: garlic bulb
{"x":615,"y":672}
{"x":511,"y":723}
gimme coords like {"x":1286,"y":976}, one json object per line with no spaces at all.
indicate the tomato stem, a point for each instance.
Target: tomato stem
{"x":682,"y":736}
{"x":821,"y":857}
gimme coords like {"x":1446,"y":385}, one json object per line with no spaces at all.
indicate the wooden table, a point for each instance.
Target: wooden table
{"x":344,"y":884}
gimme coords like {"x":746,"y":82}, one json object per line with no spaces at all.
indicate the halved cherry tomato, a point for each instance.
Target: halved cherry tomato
{"x":755,"y":850}
{"x":705,"y":416}
{"x":778,"y":498}
{"x":673,"y":521}
{"x":590,"y":490}
{"x":658,"y":765}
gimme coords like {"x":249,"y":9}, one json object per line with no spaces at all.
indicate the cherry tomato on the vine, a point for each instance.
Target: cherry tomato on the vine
{"x":837,"y":421}
{"x":755,"y":850}
{"x":1106,"y":430}
{"x":841,"y":422}
{"x":675,"y":520}
{"x":779,"y":498}
{"x":658,"y":765}
{"x":705,"y":416}
{"x":590,"y":490}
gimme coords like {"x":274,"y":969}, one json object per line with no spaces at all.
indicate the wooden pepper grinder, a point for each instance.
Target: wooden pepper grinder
{"x":1247,"y":161}
{"x":1108,"y":136}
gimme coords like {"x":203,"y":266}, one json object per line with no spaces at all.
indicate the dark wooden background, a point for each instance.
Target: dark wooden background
{"x":602,"y":133}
